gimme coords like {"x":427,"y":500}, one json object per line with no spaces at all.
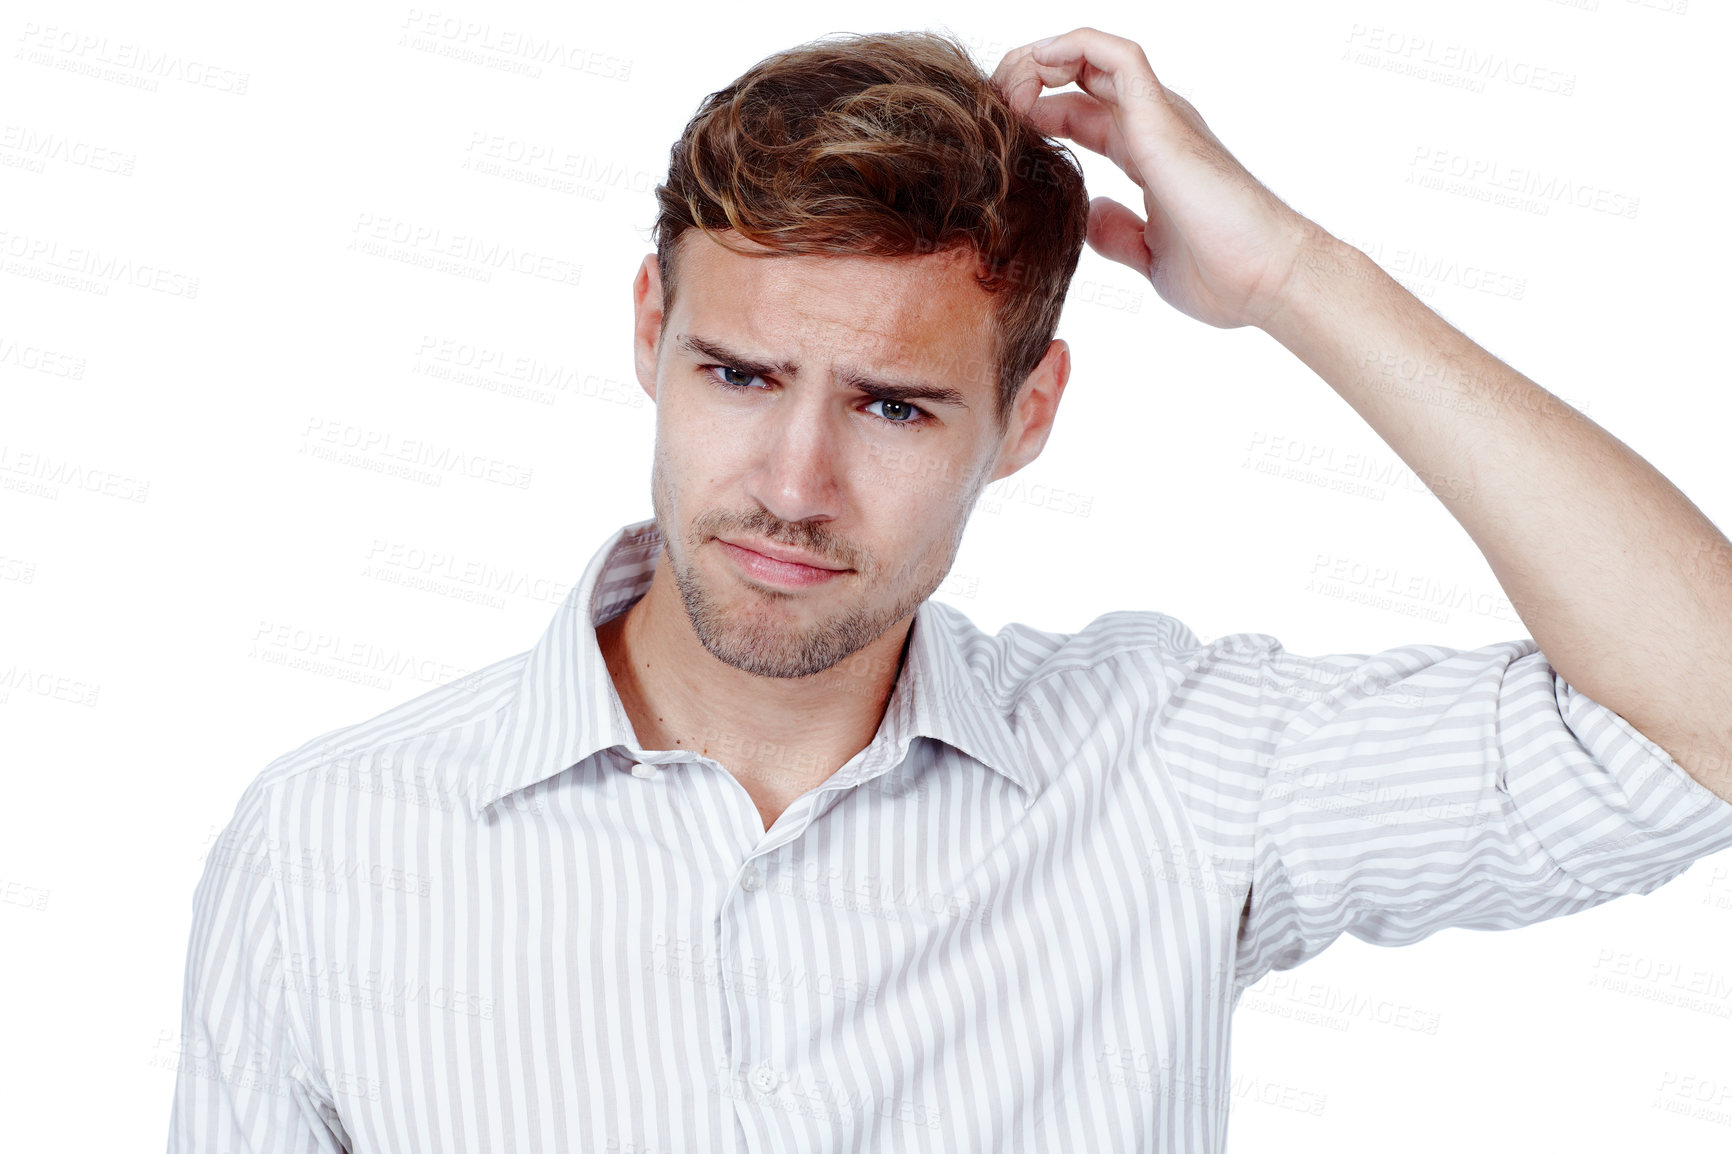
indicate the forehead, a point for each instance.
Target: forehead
{"x":923,"y":311}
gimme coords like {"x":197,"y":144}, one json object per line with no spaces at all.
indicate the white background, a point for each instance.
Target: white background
{"x":171,"y":549}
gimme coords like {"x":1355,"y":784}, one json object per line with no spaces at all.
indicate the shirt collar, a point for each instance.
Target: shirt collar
{"x":566,"y":708}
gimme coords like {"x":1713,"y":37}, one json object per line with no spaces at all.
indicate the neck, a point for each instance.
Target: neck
{"x":778,"y":736}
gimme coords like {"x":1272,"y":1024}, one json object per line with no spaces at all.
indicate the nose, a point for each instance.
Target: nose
{"x":798,"y":471}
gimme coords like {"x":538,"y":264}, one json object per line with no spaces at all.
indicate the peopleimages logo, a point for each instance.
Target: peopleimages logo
{"x":346,"y":443}
{"x":134,"y":65}
{"x":462,"y":253}
{"x":1412,"y":594}
{"x":506,"y":49}
{"x":1483,"y":177}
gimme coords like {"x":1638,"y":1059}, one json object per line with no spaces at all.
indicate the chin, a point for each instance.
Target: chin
{"x":767,"y":633}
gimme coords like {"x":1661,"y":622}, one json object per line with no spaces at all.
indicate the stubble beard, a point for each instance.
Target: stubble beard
{"x":744,"y":639}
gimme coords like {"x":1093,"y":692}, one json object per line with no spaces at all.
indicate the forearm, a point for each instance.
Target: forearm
{"x":1622,"y":582}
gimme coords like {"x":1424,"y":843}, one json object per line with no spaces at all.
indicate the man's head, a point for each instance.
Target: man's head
{"x":847,"y":327}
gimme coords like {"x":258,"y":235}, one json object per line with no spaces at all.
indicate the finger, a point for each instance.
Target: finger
{"x":1079,"y":117}
{"x":1014,"y":62}
{"x":1007,"y":64}
{"x":1116,"y":72}
{"x":1107,"y":67}
{"x":1117,"y":234}
{"x":1171,"y":142}
{"x":1075,"y":116}
{"x":1020,"y":78}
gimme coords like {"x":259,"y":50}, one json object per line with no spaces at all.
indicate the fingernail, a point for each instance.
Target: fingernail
{"x":1044,"y":43}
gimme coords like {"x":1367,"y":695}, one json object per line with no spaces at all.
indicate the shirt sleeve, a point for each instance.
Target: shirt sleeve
{"x":1423,"y":787}
{"x":240,"y":1085}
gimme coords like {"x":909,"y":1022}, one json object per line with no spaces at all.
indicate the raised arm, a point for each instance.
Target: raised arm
{"x":1622,"y":582}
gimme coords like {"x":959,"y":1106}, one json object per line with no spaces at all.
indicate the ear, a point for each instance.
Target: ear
{"x":1034,"y":409}
{"x":646,"y":303}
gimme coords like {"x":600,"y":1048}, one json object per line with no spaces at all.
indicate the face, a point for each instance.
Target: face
{"x":823,"y":428}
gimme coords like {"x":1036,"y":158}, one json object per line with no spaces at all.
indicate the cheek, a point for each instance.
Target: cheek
{"x":928,"y":469}
{"x":697,"y":451}
{"x":914,"y":525}
{"x":929,"y":490}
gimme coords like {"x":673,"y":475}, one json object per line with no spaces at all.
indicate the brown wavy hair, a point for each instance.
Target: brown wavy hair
{"x":886,"y":144}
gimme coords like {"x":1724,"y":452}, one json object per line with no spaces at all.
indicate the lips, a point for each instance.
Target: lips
{"x":784,"y":554}
{"x":779,"y":567}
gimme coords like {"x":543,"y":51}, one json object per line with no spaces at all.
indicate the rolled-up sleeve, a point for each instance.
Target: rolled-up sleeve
{"x":1400,"y":793}
{"x":240,"y":1084}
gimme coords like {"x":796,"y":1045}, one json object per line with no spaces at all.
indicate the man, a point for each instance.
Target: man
{"x":760,"y":849}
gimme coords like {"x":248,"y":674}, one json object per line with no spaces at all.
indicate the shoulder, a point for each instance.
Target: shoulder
{"x":1020,"y":657}
{"x":430,"y":742}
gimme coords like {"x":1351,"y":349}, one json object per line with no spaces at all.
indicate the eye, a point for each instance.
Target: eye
{"x":729,"y":372}
{"x":898,"y":412}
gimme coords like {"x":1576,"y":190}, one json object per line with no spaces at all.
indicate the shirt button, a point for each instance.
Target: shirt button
{"x":749,"y":880}
{"x":765,"y":1078}
{"x":647,"y":772}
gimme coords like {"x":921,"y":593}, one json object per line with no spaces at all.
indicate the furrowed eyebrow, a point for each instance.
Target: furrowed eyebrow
{"x":716,"y":352}
{"x":878,"y":387}
{"x":904,"y":391}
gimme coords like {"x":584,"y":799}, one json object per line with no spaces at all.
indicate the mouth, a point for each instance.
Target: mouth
{"x":779,"y":565}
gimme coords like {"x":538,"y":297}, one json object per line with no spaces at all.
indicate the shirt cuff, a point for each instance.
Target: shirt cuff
{"x":1612,"y":808}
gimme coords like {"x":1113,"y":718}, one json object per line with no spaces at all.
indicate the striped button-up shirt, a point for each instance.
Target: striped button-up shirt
{"x":1020,"y":919}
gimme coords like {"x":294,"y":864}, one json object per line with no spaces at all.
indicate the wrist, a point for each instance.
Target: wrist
{"x":1324,"y":270}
